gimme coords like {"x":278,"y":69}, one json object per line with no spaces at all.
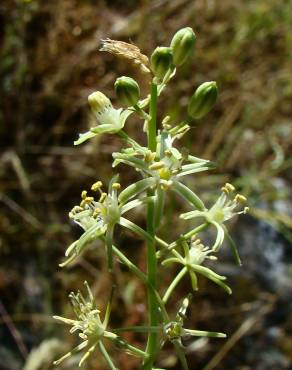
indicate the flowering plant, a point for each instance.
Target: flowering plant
{"x":162,"y":166}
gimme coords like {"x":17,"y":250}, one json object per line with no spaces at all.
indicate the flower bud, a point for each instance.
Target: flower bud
{"x":161,"y":61}
{"x":203,"y":100}
{"x":127,"y":90}
{"x":98,"y":102}
{"x":182,"y":45}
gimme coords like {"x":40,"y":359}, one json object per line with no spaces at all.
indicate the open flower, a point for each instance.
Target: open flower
{"x":223,"y":210}
{"x":166,"y":166}
{"x":110,"y":120}
{"x":98,"y":218}
{"x":192,"y":259}
{"x":92,"y":330}
{"x":174,"y":330}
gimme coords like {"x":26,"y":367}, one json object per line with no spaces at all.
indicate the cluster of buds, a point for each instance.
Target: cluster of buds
{"x":165,"y":59}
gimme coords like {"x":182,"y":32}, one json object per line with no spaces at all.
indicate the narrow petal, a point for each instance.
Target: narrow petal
{"x":220,"y":236}
{"x":194,"y":280}
{"x":135,"y":203}
{"x":192,"y":214}
{"x":188,"y":195}
{"x":201,"y":333}
{"x":135,"y":189}
{"x":217,"y":279}
{"x":83,"y":137}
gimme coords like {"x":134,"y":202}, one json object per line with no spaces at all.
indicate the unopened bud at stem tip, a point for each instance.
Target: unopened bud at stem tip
{"x":182,"y":45}
{"x":127,"y":90}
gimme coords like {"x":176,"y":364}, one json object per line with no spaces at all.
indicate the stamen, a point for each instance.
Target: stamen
{"x":240,"y":199}
{"x":230,"y":187}
{"x":102,"y":197}
{"x":96,"y":186}
{"x":157,"y":166}
{"x":149,"y":156}
{"x":116,"y":186}
{"x":246,"y":209}
{"x":167,"y":153}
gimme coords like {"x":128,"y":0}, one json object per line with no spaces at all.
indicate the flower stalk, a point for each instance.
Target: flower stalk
{"x":162,"y":166}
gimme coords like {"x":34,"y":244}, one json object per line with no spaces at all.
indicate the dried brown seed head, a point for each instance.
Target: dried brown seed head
{"x":128,"y":51}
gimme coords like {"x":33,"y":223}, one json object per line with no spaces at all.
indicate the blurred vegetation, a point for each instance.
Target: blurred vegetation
{"x":49,"y":64}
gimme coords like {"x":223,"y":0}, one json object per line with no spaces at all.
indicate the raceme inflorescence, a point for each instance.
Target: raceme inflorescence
{"x":162,"y":167}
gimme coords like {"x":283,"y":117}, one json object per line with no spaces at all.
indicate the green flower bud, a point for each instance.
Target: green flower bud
{"x":98,"y":102}
{"x":127,"y":90}
{"x":203,"y":100}
{"x":182,"y":45}
{"x":161,"y":61}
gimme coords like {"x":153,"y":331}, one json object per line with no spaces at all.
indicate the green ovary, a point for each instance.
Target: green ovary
{"x":164,"y":174}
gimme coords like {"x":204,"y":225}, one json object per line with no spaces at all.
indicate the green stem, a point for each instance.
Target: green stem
{"x":143,"y":278}
{"x":181,"y":355}
{"x":153,"y":119}
{"x":159,"y":205}
{"x":106,"y":356}
{"x":174,"y":283}
{"x":151,"y":248}
{"x":195,"y":231}
{"x":109,"y":243}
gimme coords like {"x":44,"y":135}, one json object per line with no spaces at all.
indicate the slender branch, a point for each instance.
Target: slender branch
{"x":143,"y":278}
{"x":181,"y":355}
{"x":106,"y":356}
{"x":174,"y":283}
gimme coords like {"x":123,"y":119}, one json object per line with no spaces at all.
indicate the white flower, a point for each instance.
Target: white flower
{"x":194,"y":256}
{"x":98,"y":218}
{"x":110,"y":120}
{"x":223,"y":210}
{"x":88,"y":323}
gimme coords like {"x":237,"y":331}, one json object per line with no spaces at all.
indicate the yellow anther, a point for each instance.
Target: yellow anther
{"x":83,"y":203}
{"x":240,"y":199}
{"x":83,"y":194}
{"x":96,"y":186}
{"x":229,"y":187}
{"x":246,"y":209}
{"x":224,"y":190}
{"x":157,"y":166}
{"x":116,"y":186}
{"x":165,"y":120}
{"x":76,"y":209}
{"x":166,"y":126}
{"x":88,"y":200}
{"x":149,"y":156}
{"x":167,"y":153}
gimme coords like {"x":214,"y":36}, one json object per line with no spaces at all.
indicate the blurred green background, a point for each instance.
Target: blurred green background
{"x":49,"y":64}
